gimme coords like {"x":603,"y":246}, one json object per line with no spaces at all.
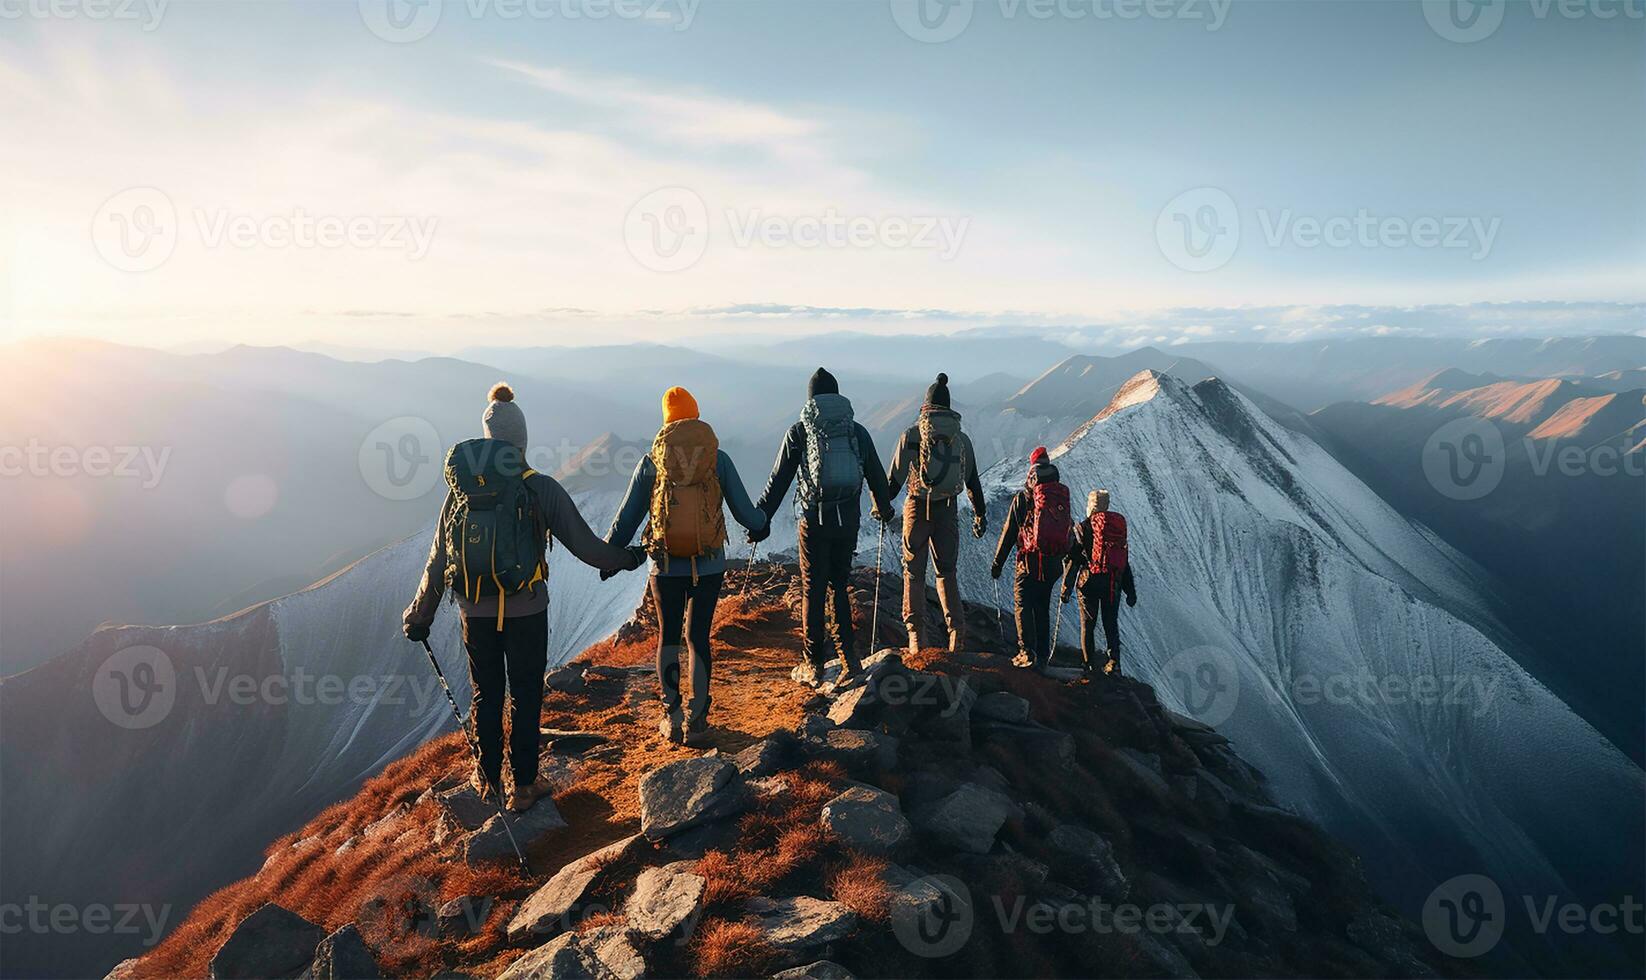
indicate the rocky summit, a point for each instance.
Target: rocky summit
{"x":939,"y":814}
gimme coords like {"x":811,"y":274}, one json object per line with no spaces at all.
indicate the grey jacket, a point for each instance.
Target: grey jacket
{"x":846,"y":514}
{"x":557,"y":512}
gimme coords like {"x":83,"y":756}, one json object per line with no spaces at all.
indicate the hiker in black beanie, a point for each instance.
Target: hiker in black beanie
{"x":833,"y":456}
{"x":938,"y":460}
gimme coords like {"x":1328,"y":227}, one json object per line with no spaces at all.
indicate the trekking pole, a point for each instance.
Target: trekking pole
{"x":874,"y":618}
{"x":999,"y":617}
{"x":1057,"y":620}
{"x":748,"y":571}
{"x":474,"y":750}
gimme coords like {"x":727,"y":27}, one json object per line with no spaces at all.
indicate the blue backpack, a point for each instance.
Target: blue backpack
{"x":834,"y":462}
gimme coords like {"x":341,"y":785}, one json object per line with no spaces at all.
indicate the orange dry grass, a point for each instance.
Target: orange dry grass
{"x":861,"y":886}
{"x":731,"y":949}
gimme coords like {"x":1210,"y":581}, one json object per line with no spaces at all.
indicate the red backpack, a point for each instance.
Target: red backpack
{"x":1109,"y":554}
{"x":1049,"y":529}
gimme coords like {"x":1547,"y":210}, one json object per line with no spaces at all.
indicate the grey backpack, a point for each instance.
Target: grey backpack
{"x":943,"y":462}
{"x":834,"y":461}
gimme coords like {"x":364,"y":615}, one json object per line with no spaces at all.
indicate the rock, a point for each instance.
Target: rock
{"x":665,"y":899}
{"x":464,"y":807}
{"x":925,"y":787}
{"x":607,"y":672}
{"x":814,"y":727}
{"x":548,"y":911}
{"x":1092,"y":854}
{"x":126,"y":969}
{"x":343,"y":956}
{"x":568,"y":742}
{"x":794,"y":926}
{"x":463,"y":916}
{"x":1062,"y":673}
{"x":991,"y":778}
{"x":821,"y":970}
{"x":1386,"y":940}
{"x":1146,"y":767}
{"x":491,"y":841}
{"x":1213,"y":795}
{"x":1047,"y":743}
{"x":602,"y":953}
{"x":681,"y":795}
{"x":1157,"y":958}
{"x":567,"y":679}
{"x":721,"y":835}
{"x":386,"y":823}
{"x":765,"y":757}
{"x":925,"y":898}
{"x":867,"y":819}
{"x":270,"y":942}
{"x":857,"y":707}
{"x":859,"y":749}
{"x":1002,"y":706}
{"x":947,"y":702}
{"x":969,"y":818}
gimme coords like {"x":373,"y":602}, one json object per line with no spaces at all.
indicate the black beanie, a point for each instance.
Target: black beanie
{"x":938,"y":393}
{"x":822,"y":383}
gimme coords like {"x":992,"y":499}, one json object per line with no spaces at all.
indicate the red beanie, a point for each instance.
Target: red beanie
{"x":1039,"y":455}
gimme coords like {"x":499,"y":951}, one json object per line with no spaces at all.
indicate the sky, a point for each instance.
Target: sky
{"x":435,"y":174}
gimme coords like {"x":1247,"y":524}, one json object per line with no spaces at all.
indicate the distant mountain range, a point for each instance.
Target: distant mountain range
{"x":1543,"y":482}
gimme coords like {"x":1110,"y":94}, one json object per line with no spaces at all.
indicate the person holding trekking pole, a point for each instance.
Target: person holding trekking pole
{"x":680,"y":489}
{"x":833,"y":456}
{"x":1100,"y":566}
{"x":498,"y":518}
{"x":938,"y":460}
{"x":1038,"y":525}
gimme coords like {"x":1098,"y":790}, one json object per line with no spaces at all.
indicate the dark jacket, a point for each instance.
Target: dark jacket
{"x":907,"y":455}
{"x":637,"y":506}
{"x":555,"y":511}
{"x":1021,"y":507}
{"x":1078,"y":566}
{"x":843,"y":514}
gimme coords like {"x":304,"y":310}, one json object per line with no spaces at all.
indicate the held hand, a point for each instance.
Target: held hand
{"x":417,"y":632}
{"x":637,"y":556}
{"x":609,"y":573}
{"x":755,"y":537}
{"x":980,"y":526}
{"x":882,"y":514}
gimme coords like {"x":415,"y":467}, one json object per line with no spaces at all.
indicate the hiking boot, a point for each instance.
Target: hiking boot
{"x":669,"y":727}
{"x":478,"y":783}
{"x":523,"y":798}
{"x":697,"y":732}
{"x":1022,"y":660}
{"x":809,"y":674}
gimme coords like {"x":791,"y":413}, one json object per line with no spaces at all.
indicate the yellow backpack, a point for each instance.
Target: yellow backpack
{"x":686,"y":516}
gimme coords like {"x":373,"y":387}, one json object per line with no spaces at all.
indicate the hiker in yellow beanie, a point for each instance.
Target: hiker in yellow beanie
{"x":681,"y":489}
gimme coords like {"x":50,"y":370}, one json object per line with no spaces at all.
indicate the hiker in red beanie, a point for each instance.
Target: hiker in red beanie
{"x":1038,"y":525}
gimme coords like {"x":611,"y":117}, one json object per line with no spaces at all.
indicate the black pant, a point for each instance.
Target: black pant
{"x":679,"y":601}
{"x":826,"y":555}
{"x":1033,"y":598}
{"x":517,"y":655}
{"x":1099,"y":601}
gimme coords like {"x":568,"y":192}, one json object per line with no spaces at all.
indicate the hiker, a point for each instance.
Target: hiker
{"x":938,"y":460}
{"x":1100,"y":565}
{"x":498,"y":517}
{"x":1038,"y":525}
{"x":679,"y":489}
{"x":833,"y":456}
